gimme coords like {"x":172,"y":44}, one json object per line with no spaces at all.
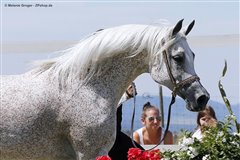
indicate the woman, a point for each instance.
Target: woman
{"x":205,"y":118}
{"x":152,"y":132}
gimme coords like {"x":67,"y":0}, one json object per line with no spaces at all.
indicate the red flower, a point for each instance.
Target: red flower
{"x":103,"y":158}
{"x":138,"y":154}
{"x":134,"y":153}
{"x":152,"y":155}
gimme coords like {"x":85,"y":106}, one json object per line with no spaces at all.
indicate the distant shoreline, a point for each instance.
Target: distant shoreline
{"x":179,"y":120}
{"x":57,"y":45}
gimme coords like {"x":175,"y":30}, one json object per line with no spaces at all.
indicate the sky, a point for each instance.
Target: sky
{"x":34,"y":32}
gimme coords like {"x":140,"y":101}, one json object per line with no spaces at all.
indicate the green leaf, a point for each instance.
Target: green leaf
{"x":224,"y":96}
{"x":224,"y":69}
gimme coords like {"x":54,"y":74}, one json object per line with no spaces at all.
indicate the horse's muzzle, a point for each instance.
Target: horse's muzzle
{"x":196,"y":96}
{"x":198,"y":104}
{"x":202,"y":101}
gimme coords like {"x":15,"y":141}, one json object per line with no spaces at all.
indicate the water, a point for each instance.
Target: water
{"x":181,"y":118}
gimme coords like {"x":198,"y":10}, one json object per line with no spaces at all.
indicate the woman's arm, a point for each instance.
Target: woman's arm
{"x":169,"y":138}
{"x":136,"y":137}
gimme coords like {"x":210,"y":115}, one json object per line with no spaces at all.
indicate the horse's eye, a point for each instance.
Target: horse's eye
{"x":178,"y":58}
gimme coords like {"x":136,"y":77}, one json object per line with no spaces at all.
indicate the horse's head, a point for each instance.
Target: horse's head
{"x":173,"y":67}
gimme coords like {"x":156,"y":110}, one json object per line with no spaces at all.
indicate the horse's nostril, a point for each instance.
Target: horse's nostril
{"x":202,"y":101}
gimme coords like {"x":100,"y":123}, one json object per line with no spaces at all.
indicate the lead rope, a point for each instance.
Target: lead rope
{"x":174,"y":93}
{"x":176,"y":86}
{"x":133,"y":115}
{"x":168,"y":120}
{"x":169,"y":108}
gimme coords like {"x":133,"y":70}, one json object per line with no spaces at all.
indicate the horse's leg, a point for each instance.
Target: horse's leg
{"x":91,"y":142}
{"x":90,"y":152}
{"x":79,"y":156}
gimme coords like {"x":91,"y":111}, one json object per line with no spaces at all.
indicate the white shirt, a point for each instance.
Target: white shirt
{"x":140,"y":133}
{"x":197,"y":134}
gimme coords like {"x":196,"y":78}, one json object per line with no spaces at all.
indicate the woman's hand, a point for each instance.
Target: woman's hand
{"x":131,"y":90}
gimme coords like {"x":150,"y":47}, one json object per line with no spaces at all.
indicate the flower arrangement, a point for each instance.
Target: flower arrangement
{"x":218,"y":143}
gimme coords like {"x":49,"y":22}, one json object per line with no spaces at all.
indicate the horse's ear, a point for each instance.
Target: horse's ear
{"x":177,"y":28}
{"x":189,"y":27}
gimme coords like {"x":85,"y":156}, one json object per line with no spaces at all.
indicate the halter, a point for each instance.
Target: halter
{"x":176,"y":87}
{"x":182,"y":83}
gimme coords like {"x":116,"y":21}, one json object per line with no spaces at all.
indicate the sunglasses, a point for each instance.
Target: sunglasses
{"x":158,"y":118}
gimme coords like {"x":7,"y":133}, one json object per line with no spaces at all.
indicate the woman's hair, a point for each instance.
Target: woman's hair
{"x":147,"y":106}
{"x":208,"y":111}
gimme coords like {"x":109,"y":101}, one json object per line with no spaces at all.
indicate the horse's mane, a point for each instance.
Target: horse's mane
{"x":82,"y":59}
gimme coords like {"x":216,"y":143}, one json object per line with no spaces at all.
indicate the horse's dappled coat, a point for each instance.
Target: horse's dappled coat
{"x":65,"y":108}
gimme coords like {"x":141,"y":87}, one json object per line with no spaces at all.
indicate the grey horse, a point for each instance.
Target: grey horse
{"x":65,"y":108}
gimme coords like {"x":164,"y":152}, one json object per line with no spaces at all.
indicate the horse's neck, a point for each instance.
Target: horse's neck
{"x":117,"y":73}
